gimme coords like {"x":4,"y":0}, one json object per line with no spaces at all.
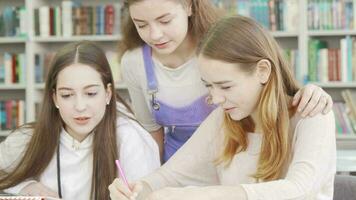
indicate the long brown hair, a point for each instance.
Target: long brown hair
{"x":204,"y":14}
{"x":47,"y":129}
{"x":245,"y":42}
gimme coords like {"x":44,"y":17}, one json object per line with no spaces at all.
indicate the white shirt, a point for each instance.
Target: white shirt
{"x":138,"y":156}
{"x":176,"y":87}
{"x":309,"y":175}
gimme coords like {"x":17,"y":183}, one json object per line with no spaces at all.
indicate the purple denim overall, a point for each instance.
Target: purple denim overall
{"x":179,"y":122}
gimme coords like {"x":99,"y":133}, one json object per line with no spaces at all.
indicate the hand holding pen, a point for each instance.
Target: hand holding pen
{"x":120,"y":189}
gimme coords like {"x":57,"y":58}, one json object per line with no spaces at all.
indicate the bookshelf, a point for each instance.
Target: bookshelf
{"x":96,"y":38}
{"x":33,"y":43}
{"x":296,"y":37}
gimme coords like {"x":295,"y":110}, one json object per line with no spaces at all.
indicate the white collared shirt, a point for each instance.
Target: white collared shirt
{"x":139,"y":156}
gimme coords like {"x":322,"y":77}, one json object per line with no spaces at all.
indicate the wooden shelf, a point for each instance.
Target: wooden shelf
{"x":9,"y":40}
{"x":283,"y":34}
{"x":100,"y":38}
{"x":336,"y":84}
{"x":349,"y":136}
{"x":118,"y":86}
{"x":331,"y":32}
{"x":12,"y":87}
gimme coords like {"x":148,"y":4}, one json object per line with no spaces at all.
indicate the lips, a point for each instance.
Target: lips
{"x":229,"y":109}
{"x":161,"y":45}
{"x":81,"y":120}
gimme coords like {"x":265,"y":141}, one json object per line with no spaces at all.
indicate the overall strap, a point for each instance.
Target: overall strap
{"x":150,"y":74}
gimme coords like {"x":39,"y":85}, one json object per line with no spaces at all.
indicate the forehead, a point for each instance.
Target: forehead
{"x":217,"y":70}
{"x":148,"y":9}
{"x":78,"y":75}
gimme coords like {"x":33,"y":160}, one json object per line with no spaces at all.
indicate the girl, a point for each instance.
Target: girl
{"x":71,"y":149}
{"x":254,"y":145}
{"x":160,"y":69}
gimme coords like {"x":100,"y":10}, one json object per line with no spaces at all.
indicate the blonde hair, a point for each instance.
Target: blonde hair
{"x":204,"y":13}
{"x":246,"y":42}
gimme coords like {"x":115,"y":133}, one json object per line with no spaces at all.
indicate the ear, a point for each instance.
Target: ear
{"x":108,"y":93}
{"x":54,"y":97}
{"x":263,"y":70}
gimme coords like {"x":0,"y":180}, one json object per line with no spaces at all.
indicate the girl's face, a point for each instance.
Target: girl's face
{"x":81,"y":99}
{"x":237,"y":92}
{"x":162,"y":24}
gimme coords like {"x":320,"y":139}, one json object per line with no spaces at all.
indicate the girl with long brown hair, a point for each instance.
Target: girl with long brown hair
{"x":160,"y":69}
{"x":254,"y":145}
{"x":82,"y":128}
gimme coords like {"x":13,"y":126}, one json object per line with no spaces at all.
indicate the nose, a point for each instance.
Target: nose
{"x":216,"y":97}
{"x":156,"y":32}
{"x":80,"y":104}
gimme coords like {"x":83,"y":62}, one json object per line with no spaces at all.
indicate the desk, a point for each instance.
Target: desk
{"x":346,"y":161}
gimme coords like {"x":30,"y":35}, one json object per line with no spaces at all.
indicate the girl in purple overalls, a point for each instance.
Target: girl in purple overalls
{"x":159,"y":41}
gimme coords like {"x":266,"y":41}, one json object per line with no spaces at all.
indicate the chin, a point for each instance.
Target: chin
{"x":237,"y":117}
{"x":168,"y":50}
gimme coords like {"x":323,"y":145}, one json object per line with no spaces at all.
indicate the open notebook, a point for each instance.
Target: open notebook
{"x":26,"y":198}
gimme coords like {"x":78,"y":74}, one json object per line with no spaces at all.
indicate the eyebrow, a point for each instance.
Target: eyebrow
{"x":217,"y":82}
{"x":160,"y":17}
{"x":86,"y":87}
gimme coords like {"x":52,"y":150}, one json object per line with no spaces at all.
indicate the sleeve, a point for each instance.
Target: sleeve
{"x":11,"y":152}
{"x":12,"y":149}
{"x":17,"y":188}
{"x":132,"y":80}
{"x":193,"y":164}
{"x":138,"y":151}
{"x":313,"y":165}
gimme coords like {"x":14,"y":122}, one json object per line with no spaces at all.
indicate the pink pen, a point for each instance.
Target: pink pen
{"x":121,"y":173}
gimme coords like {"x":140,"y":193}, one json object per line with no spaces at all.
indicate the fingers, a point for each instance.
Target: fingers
{"x":329,"y":104}
{"x":306,"y":94}
{"x":312,"y":103}
{"x":136,"y":189}
{"x":297,"y":97}
{"x":319,"y":107}
{"x":119,"y":191}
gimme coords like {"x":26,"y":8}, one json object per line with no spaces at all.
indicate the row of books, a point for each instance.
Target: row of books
{"x":331,"y":14}
{"x":293,"y":59}
{"x":332,"y":64}
{"x":276,"y":15}
{"x":12,"y":114}
{"x":12,"y":68}
{"x":13,"y":21}
{"x":345,"y":114}
{"x":43,"y":62}
{"x":79,"y":20}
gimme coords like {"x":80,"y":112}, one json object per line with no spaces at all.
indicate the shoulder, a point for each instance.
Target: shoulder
{"x":19,"y":137}
{"x":13,"y":147}
{"x":131,"y":57}
{"x":211,"y":126}
{"x":320,"y":121}
{"x":318,"y":126}
{"x":128,"y":128}
{"x":216,"y":117}
{"x":123,"y":112}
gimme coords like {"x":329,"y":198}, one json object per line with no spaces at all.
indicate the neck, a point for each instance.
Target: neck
{"x":257,"y":121}
{"x":184,"y":52}
{"x":77,"y":137}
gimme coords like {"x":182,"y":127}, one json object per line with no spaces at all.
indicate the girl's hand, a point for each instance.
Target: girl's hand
{"x":38,"y":189}
{"x":312,"y":100}
{"x":119,"y":191}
